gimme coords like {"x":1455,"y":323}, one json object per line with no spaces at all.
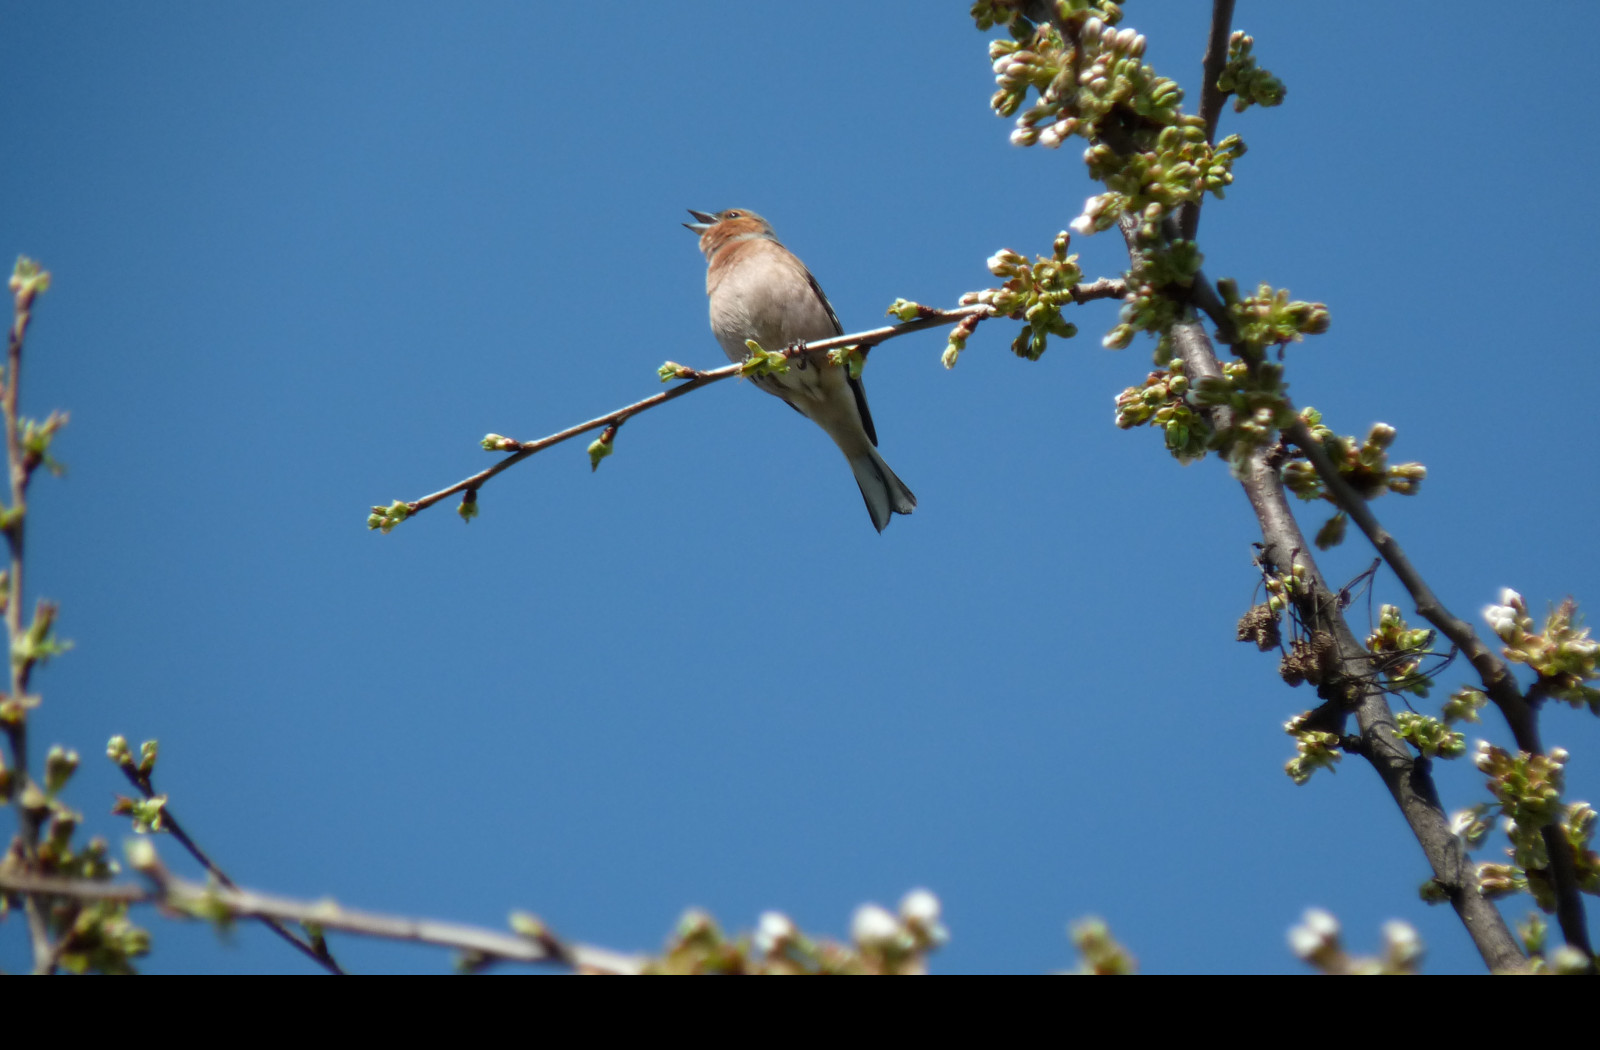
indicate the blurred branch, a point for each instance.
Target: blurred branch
{"x":694,"y":379}
{"x":222,"y":904}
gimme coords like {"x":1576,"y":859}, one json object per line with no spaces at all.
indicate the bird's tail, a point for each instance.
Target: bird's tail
{"x":883,"y":492}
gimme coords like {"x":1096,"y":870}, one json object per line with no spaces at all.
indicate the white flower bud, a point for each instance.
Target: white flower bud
{"x":1502,"y":620}
{"x":920,"y":906}
{"x":1402,"y":940}
{"x":872,"y":924}
{"x":773,"y":931}
{"x":1317,"y":933}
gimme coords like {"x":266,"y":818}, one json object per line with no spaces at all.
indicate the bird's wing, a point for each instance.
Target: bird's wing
{"x":856,"y":387}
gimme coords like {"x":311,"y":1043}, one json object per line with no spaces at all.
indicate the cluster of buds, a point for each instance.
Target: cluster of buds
{"x":1162,"y":401}
{"x":1364,"y":465}
{"x":1316,"y":940}
{"x":1562,"y":654}
{"x":1258,"y":402}
{"x":883,"y":943}
{"x":1527,"y":790}
{"x":87,"y":934}
{"x":1179,"y":166}
{"x":1078,"y":81}
{"x":1526,"y":787}
{"x":1270,"y":317}
{"x":1157,"y":266}
{"x":1034,"y":292}
{"x":891,"y":943}
{"x":385,"y":518}
{"x":1082,"y":79}
{"x":1249,"y":84}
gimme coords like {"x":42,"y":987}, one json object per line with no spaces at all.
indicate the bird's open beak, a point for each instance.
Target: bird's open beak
{"x":705,"y":223}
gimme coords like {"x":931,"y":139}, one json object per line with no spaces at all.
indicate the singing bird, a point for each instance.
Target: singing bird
{"x":760,"y":291}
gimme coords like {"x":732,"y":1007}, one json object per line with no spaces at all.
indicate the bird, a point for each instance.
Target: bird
{"x":759,"y":290}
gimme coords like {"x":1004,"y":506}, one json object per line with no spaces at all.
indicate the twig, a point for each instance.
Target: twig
{"x":317,"y":953}
{"x":195,"y":898}
{"x":928,"y":317}
{"x":1211,"y":96}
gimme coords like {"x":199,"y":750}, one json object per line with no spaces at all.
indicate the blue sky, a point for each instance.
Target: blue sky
{"x":305,"y":255}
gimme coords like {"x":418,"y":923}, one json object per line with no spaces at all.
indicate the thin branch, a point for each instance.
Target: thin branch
{"x":1211,"y":96}
{"x":193,"y":898}
{"x":928,"y":317}
{"x":28,"y":817}
{"x":317,"y":953}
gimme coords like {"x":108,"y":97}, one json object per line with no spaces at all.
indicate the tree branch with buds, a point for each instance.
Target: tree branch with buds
{"x":848,"y":351}
{"x":1157,"y":165}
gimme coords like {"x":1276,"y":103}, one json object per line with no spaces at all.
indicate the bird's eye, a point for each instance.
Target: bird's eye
{"x":733,"y":214}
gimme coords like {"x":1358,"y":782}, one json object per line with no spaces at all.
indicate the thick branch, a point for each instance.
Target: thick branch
{"x":1497,"y":679}
{"x":1409,"y":781}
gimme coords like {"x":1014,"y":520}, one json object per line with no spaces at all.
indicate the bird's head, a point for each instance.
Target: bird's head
{"x":728,"y":227}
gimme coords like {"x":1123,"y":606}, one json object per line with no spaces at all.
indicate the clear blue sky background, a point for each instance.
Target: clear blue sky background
{"x":307,"y":254}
